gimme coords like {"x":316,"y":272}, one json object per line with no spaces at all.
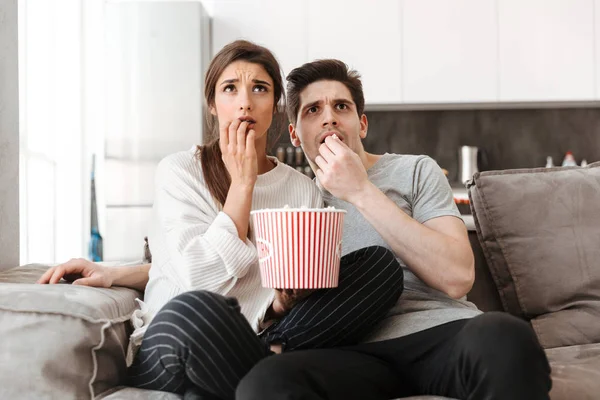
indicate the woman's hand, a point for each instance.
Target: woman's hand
{"x":239,"y":153}
{"x":80,"y":272}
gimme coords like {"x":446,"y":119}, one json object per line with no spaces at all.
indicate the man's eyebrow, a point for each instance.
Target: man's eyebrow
{"x":343,"y":100}
{"x":309,"y":105}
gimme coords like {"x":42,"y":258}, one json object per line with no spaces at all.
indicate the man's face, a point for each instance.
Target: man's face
{"x":326,"y":107}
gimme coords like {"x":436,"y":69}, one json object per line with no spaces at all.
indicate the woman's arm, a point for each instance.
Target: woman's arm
{"x":194,"y":244}
{"x":131,"y":276}
{"x":240,"y":159}
{"x":84,"y":272}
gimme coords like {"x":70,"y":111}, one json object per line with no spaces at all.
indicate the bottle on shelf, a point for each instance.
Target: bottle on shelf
{"x":299,"y":156}
{"x":281,"y":154}
{"x":289,"y":155}
{"x":549,"y":162}
{"x":309,"y":172}
{"x":569,"y":160}
{"x":95,"y":250}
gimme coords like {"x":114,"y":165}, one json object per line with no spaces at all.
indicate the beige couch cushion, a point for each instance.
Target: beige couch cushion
{"x":130,"y":393}
{"x":575,"y":372}
{"x":540,"y":233}
{"x":60,"y":341}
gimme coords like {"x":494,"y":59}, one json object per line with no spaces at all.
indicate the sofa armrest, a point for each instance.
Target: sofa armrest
{"x":483,"y":293}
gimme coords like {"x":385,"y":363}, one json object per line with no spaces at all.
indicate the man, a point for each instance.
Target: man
{"x":433,"y":341}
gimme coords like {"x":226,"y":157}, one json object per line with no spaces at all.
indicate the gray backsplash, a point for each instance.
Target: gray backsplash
{"x":518,"y":138}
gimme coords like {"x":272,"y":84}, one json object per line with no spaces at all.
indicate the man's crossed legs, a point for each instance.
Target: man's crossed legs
{"x":491,"y":356}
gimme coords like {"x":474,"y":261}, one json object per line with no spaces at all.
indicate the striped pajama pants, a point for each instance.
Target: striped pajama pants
{"x":200,"y":345}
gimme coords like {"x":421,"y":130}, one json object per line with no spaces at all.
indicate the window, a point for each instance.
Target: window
{"x":52,"y":178}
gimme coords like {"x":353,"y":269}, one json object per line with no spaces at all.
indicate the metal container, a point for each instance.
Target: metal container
{"x":468,"y":162}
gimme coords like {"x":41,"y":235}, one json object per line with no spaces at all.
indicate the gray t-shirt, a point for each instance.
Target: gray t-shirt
{"x":418,"y":186}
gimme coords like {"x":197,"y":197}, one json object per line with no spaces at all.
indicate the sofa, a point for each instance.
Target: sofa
{"x":537,"y":252}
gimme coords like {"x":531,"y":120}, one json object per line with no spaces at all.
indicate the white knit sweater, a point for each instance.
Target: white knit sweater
{"x":195,"y":245}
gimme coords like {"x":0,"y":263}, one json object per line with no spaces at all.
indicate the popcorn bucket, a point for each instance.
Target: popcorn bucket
{"x":299,"y":248}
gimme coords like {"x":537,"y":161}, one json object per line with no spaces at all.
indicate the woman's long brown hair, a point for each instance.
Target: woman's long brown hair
{"x":215,"y":173}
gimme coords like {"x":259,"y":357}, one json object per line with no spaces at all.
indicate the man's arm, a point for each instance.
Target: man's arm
{"x":438,"y":251}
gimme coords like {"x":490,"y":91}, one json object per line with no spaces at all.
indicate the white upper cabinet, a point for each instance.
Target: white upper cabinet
{"x":279,"y":25}
{"x":366,"y":35}
{"x":449,"y":51}
{"x":432,"y":51}
{"x":546,"y":50}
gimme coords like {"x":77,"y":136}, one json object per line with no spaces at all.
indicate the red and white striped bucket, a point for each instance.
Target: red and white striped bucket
{"x":299,"y":248}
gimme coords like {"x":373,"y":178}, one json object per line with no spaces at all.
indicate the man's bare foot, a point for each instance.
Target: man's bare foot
{"x":286,"y":299}
{"x":276,"y":348}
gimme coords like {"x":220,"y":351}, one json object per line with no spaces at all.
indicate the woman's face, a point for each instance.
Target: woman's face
{"x":245,"y":91}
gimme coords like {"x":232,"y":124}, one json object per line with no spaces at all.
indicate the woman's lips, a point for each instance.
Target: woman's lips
{"x":251,"y":122}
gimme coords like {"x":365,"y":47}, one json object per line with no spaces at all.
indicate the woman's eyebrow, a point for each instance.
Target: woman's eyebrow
{"x":236,"y":80}
{"x":227,"y":81}
{"x":261,"y":82}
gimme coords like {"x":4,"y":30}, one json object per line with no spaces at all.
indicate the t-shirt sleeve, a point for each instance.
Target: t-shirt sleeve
{"x":432,"y":194}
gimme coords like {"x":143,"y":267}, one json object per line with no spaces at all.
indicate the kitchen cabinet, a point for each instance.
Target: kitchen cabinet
{"x":546,"y":50}
{"x":449,"y":51}
{"x":432,"y":51}
{"x":156,"y":57}
{"x":279,"y":25}
{"x":366,"y":36}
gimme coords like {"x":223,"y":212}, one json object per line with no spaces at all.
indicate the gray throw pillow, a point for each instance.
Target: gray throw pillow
{"x":540,"y":233}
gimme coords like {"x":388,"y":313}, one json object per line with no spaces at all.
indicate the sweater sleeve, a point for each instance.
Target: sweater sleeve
{"x":203,"y":249}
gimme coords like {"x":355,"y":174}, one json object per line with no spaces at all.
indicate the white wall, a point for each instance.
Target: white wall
{"x":9,"y":136}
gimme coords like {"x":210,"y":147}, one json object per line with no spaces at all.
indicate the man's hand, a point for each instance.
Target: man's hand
{"x":341,"y":170}
{"x":80,"y":272}
{"x":286,"y":299}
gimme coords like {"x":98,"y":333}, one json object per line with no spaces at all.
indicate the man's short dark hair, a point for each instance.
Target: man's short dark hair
{"x":322,"y":70}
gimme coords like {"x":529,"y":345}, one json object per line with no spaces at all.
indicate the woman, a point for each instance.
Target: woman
{"x":191,"y":338}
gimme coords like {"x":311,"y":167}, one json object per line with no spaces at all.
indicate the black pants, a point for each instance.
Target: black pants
{"x":201,"y":345}
{"x":492,"y":356}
